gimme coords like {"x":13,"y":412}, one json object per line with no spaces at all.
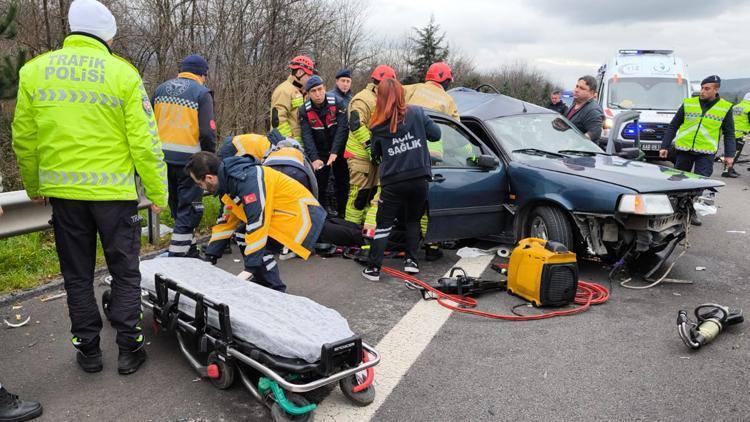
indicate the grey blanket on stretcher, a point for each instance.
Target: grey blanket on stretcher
{"x":277,"y":323}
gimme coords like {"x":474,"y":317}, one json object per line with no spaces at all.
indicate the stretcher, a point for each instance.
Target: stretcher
{"x":278,"y":345}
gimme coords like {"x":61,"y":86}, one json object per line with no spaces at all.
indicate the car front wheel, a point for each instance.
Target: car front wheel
{"x":550,"y":223}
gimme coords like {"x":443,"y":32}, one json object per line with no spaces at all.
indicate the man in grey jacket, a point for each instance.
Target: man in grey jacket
{"x":585,"y":113}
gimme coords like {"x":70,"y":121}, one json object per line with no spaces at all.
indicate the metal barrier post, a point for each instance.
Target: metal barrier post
{"x":154,"y":227}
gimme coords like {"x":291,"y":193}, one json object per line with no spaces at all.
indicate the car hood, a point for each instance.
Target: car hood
{"x":639,"y":176}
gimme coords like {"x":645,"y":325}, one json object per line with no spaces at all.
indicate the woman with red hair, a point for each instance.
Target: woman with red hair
{"x":399,"y":141}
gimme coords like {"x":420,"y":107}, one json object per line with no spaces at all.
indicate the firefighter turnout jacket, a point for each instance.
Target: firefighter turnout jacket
{"x":287,"y":98}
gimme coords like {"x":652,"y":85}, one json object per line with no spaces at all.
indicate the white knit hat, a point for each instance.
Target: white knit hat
{"x":93,"y":18}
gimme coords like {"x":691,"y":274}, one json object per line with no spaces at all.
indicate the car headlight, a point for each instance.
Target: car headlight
{"x":650,"y":204}
{"x":608,"y":123}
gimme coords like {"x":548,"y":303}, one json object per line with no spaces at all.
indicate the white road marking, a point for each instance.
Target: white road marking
{"x":399,"y":349}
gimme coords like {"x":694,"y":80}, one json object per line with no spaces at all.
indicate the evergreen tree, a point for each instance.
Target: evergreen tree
{"x":9,"y":65}
{"x":429,"y":48}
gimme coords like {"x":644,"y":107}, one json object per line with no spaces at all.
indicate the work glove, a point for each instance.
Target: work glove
{"x":274,"y":117}
{"x":274,"y":136}
{"x":354,"y":121}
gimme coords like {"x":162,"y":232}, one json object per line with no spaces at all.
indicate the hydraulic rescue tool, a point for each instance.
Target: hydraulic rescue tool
{"x":711,"y":320}
{"x":540,"y":271}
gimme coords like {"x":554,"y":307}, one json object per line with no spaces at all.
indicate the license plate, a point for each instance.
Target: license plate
{"x":650,"y":147}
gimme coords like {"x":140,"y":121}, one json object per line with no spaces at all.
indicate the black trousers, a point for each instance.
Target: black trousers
{"x":76,"y":224}
{"x":186,"y":207}
{"x":703,"y":163}
{"x":341,"y":178}
{"x":407,"y":198}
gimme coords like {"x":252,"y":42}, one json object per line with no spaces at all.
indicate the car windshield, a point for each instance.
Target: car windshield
{"x":646,"y":93}
{"x":525,"y":133}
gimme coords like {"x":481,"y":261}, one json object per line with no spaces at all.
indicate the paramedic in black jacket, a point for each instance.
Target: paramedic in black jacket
{"x":399,"y":141}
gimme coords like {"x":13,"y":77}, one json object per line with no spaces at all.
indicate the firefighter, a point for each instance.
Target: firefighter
{"x":184,"y":112}
{"x":270,"y":204}
{"x":80,"y":135}
{"x":289,"y":96}
{"x":363,"y":175}
{"x":432,"y":95}
{"x":324,"y":131}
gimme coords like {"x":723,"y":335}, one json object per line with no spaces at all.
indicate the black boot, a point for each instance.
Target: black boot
{"x":89,"y":356}
{"x":13,"y":409}
{"x":730,"y":172}
{"x":432,"y":252}
{"x":130,"y":360}
{"x":90,"y":361}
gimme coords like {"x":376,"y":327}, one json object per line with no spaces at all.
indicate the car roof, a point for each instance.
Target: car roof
{"x":485,"y":106}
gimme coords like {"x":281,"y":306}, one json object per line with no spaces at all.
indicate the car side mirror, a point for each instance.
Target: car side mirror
{"x":630,"y":153}
{"x":487,"y":162}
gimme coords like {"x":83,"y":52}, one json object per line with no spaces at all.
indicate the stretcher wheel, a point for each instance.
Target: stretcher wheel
{"x":106,"y":299}
{"x":364,"y":397}
{"x":226,"y":372}
{"x":279,"y":415}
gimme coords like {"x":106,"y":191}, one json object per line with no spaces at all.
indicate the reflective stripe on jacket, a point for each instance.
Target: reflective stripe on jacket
{"x":271,"y":205}
{"x":184,"y":113}
{"x":700,"y":131}
{"x":84,"y":126}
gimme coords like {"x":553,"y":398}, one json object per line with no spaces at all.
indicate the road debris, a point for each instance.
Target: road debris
{"x":17,"y":324}
{"x":53,"y":297}
{"x":700,"y":268}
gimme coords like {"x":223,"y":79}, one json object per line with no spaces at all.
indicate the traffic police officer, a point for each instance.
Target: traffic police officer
{"x":741,"y":115}
{"x":269,"y":203}
{"x":185,"y":114}
{"x":288,"y":97}
{"x":83,"y":127}
{"x":696,"y":128}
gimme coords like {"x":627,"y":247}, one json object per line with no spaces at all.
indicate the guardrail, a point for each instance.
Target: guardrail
{"x":21,"y":215}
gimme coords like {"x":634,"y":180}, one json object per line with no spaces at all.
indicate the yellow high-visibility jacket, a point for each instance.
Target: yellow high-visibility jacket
{"x":84,"y":126}
{"x":271,"y":204}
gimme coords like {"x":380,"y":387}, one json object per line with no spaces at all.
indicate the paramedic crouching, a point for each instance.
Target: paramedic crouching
{"x":270,"y":203}
{"x":399,"y":140}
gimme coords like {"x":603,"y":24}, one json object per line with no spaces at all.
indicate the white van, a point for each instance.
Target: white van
{"x":655,"y":82}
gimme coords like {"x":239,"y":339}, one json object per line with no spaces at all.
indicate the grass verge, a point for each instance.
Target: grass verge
{"x":30,"y":260}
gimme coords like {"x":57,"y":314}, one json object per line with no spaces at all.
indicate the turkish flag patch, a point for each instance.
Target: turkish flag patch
{"x":249,"y":199}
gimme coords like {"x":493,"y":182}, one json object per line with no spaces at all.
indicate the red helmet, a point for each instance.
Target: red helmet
{"x":383,"y":71}
{"x":439,"y":72}
{"x":303,"y":62}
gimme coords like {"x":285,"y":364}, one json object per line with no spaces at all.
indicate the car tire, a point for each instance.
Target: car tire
{"x":554,"y":222}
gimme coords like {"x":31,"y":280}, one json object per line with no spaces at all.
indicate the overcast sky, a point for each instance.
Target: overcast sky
{"x":566,"y":39}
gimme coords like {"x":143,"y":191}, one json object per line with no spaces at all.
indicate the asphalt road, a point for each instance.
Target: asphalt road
{"x":619,"y":361}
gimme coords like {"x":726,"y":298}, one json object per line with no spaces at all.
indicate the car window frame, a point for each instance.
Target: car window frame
{"x":484,"y":149}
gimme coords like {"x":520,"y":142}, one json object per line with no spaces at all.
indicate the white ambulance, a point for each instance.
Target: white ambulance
{"x":654,"y":82}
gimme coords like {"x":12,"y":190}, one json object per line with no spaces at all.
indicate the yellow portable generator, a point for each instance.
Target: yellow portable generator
{"x":543,"y":272}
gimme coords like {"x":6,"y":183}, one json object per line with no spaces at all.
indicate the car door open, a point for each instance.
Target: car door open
{"x":468,"y":187}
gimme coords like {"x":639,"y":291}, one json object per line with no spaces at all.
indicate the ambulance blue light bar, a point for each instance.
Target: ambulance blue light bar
{"x":639,"y":52}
